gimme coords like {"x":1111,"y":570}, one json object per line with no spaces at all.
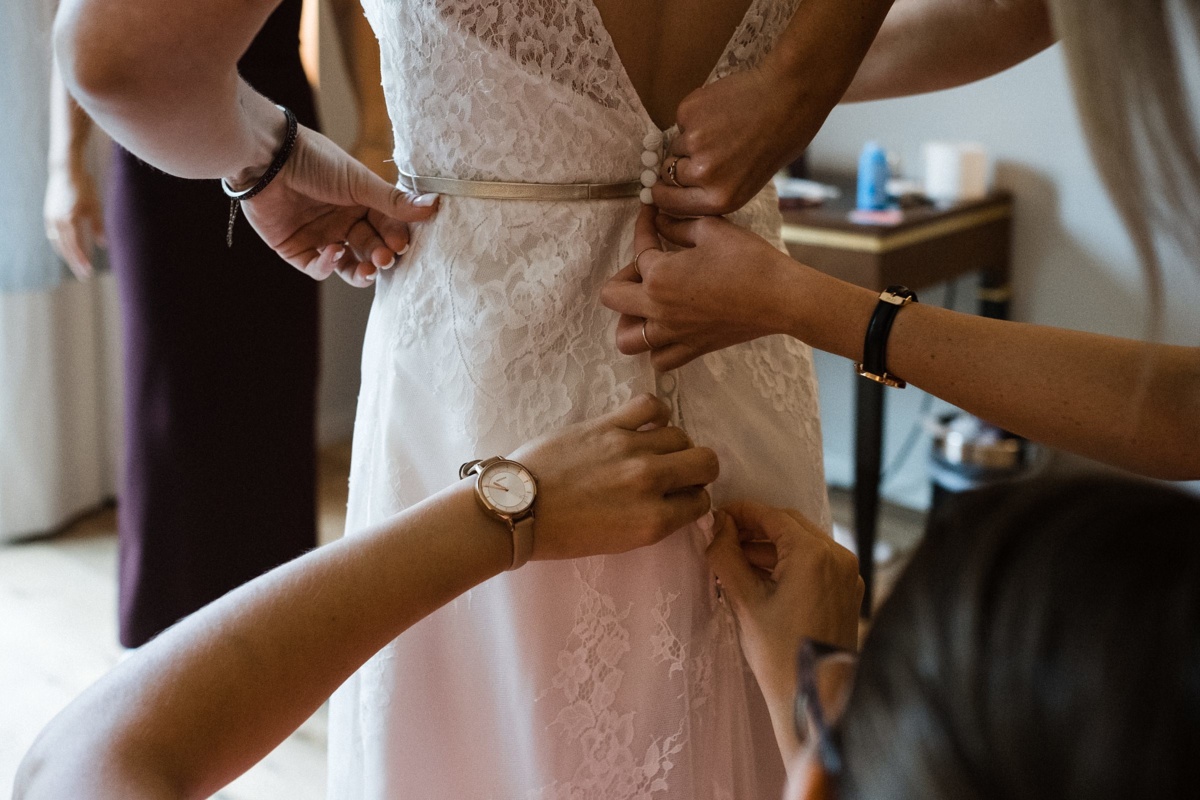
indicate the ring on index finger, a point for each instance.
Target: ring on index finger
{"x":637,"y":270}
{"x":674,"y":181}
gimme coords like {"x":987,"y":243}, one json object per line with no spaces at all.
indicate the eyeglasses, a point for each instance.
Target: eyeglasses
{"x":819,"y":665}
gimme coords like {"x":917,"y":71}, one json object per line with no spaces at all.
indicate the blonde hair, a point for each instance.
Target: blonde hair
{"x":1125,"y":66}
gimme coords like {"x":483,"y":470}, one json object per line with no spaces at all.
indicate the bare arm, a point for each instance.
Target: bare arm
{"x":161,"y":77}
{"x":203,"y":702}
{"x":927,"y":45}
{"x":206,"y":700}
{"x":1131,"y":404}
{"x":72,"y":209}
{"x":739,"y":131}
{"x":70,"y":129}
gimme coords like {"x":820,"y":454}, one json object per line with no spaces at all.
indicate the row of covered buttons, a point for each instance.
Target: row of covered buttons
{"x":652,"y":154}
{"x":651,"y":159}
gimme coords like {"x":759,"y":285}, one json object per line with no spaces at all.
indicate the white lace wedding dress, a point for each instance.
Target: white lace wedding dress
{"x":605,"y":678}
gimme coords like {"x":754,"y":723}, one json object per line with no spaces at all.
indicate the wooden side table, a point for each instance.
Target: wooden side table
{"x":928,"y":247}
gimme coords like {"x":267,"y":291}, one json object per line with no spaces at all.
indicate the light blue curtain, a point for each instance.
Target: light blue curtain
{"x":27,"y":263}
{"x":59,"y":370}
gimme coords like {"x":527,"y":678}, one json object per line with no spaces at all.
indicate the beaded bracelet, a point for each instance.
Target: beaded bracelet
{"x":285,"y":150}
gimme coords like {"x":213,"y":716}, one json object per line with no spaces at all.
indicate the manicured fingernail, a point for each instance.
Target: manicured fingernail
{"x":425,"y":200}
{"x":391,"y":262}
{"x":338,"y":255}
{"x":404,"y":249}
{"x":706,"y":522}
{"x":371,"y":278}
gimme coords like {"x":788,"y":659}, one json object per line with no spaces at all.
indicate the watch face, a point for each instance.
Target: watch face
{"x":508,"y":487}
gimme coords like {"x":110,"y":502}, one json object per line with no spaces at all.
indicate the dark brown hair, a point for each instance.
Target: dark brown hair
{"x":1043,"y":643}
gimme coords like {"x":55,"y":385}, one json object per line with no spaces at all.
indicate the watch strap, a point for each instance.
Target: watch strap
{"x":874,"y":362}
{"x":522,"y":541}
{"x":477,"y":466}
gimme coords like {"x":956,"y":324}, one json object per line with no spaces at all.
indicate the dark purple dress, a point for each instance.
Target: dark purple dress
{"x":220,"y":349}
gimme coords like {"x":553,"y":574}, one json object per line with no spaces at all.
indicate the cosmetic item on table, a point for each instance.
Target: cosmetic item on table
{"x":873,"y":174}
{"x":956,"y":172}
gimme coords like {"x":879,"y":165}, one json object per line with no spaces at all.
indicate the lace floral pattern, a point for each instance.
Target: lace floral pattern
{"x":665,"y":646}
{"x":588,"y":677}
{"x":604,"y":679}
{"x":763,"y":22}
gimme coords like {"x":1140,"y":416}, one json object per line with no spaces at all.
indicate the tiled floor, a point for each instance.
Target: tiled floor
{"x":58,"y":634}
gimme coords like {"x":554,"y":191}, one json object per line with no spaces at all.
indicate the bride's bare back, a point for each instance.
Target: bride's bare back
{"x":669,"y":47}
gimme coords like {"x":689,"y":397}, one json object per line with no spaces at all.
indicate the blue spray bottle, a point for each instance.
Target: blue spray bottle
{"x":872,"y":178}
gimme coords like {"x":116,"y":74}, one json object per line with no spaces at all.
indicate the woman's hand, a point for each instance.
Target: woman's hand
{"x":814,"y":591}
{"x":74,"y":218}
{"x":326,"y":212}
{"x":616,"y":483}
{"x":735,"y":134}
{"x":376,"y":155}
{"x":724,"y":289}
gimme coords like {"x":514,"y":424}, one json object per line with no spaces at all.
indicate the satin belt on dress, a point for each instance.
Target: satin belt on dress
{"x":499,"y":190}
{"x":667,"y":385}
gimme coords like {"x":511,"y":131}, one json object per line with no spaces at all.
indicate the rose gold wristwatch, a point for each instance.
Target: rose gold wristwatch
{"x":506,"y":490}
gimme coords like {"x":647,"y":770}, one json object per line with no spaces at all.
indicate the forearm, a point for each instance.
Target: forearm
{"x":828,"y":38}
{"x":207,"y":699}
{"x":70,"y":130}
{"x":1131,"y":404}
{"x":927,"y":45}
{"x":161,"y":78}
{"x":833,"y":686}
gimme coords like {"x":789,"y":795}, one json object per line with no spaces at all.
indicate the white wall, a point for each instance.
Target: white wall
{"x":1073,"y":265}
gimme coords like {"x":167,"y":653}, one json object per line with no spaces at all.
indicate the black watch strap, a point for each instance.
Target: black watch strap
{"x":874,"y":363}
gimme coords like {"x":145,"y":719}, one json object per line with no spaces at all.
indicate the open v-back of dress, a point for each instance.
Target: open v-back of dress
{"x":605,"y":678}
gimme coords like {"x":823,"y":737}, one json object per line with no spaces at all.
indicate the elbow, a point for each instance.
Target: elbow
{"x":54,"y":769}
{"x":96,"y":66}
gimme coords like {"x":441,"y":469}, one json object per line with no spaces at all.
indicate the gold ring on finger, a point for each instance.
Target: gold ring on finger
{"x":637,"y":270}
{"x":674,"y":181}
{"x":644,"y":338}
